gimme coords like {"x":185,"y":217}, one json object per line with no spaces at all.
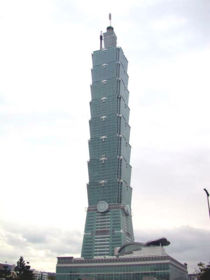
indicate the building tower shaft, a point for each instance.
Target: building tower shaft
{"x":108,"y":222}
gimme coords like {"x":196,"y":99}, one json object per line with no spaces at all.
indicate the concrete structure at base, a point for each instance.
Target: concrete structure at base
{"x":133,"y":261}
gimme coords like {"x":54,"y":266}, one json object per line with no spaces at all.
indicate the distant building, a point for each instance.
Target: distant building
{"x":39,"y":275}
{"x":36,"y":274}
{"x":193,"y":276}
{"x":51,"y":275}
{"x":5,"y":267}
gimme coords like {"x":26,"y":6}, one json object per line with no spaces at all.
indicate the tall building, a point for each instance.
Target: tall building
{"x":108,"y":222}
{"x":109,"y":251}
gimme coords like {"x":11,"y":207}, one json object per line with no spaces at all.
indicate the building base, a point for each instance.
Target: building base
{"x":148,"y":263}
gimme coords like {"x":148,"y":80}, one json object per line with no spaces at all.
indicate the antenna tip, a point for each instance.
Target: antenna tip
{"x":110,"y":18}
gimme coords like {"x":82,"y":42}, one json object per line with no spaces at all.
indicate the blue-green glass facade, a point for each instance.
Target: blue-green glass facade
{"x":130,"y":268}
{"x":108,"y":222}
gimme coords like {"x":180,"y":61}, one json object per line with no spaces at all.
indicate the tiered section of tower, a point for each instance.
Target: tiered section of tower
{"x":108,"y":222}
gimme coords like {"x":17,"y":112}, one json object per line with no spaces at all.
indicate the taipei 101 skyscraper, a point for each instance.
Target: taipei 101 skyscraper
{"x":108,"y":250}
{"x":108,"y":222}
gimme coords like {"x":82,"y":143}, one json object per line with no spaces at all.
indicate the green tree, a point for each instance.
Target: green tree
{"x":22,"y":270}
{"x":204,"y":271}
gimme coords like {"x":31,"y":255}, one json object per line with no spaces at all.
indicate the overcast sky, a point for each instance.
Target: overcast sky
{"x":45,"y":77}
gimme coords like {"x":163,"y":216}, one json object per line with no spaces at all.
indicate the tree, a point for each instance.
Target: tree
{"x":22,"y":270}
{"x":204,"y":273}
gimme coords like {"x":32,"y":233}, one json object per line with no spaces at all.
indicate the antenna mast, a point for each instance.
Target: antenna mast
{"x":110,"y":19}
{"x":101,"y":40}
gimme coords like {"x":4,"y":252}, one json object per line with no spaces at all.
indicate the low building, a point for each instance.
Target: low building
{"x":51,"y":275}
{"x":5,"y":269}
{"x":193,"y":276}
{"x":133,"y":261}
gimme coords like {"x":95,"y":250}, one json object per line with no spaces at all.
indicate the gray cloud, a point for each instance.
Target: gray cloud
{"x":50,"y":238}
{"x":188,"y":244}
{"x":35,"y":237}
{"x":30,"y":242}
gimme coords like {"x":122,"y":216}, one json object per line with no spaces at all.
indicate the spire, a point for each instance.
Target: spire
{"x":110,"y":19}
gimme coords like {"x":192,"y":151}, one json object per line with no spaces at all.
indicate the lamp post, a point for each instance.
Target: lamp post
{"x":207,"y":195}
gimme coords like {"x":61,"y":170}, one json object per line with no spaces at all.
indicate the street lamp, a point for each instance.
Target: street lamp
{"x":207,"y":195}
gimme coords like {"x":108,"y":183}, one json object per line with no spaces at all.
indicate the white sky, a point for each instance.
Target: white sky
{"x":45,"y":62}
